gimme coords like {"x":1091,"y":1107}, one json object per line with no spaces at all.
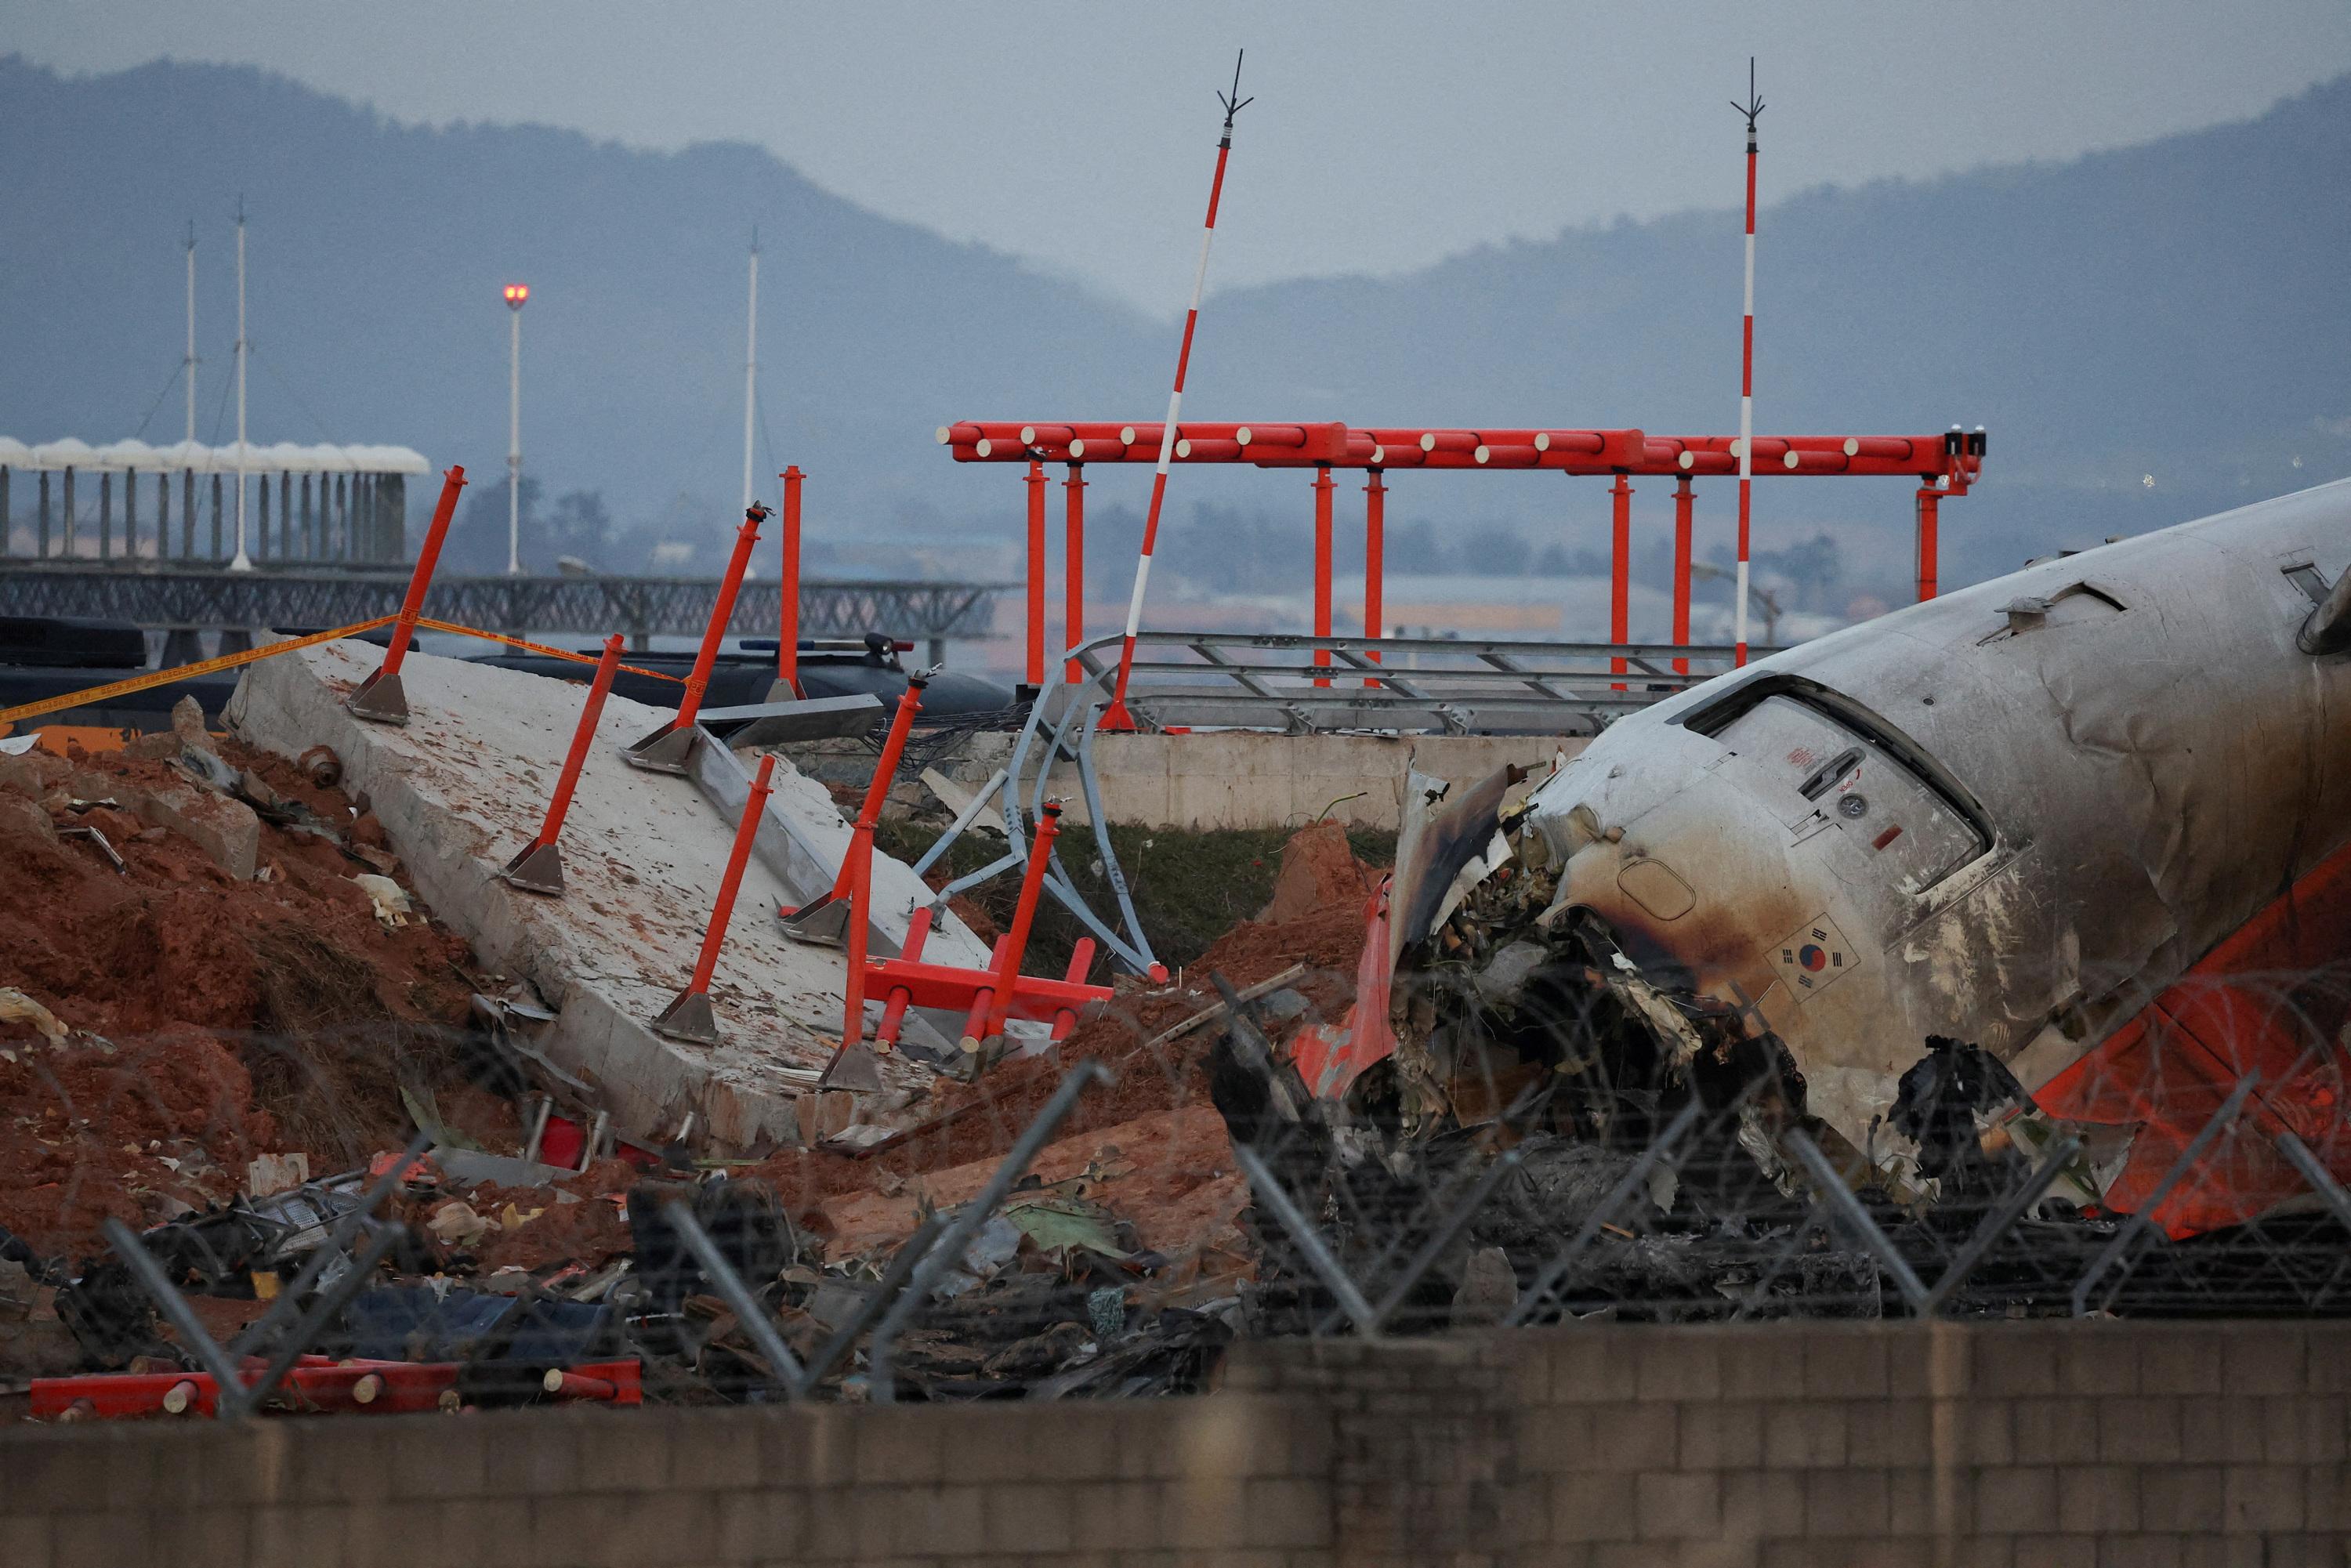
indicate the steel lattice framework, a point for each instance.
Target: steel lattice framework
{"x":639,"y":606}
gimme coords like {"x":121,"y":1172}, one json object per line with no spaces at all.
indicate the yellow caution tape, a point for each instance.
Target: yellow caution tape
{"x":535,"y":647}
{"x":95,"y":696}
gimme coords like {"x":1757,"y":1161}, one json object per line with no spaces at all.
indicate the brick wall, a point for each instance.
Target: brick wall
{"x":1239,"y":1481}
{"x":2015,"y":1445}
{"x":2080,"y":1444}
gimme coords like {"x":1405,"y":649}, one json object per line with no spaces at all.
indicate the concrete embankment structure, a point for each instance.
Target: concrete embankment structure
{"x":464,"y":786}
{"x":1207,"y":780}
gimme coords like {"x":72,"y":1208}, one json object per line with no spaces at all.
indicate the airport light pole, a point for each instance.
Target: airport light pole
{"x":517,"y":293}
{"x":190,"y":365}
{"x":751,"y":367}
{"x":242,"y":562}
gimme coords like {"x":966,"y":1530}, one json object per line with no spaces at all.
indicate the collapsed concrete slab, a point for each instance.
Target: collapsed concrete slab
{"x":465,"y":784}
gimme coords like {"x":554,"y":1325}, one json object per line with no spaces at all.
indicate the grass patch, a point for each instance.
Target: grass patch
{"x":1189,"y":888}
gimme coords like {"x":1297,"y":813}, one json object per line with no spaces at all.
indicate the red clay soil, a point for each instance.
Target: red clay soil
{"x":212,"y":1020}
{"x":1326,"y":936}
{"x":217,"y":1019}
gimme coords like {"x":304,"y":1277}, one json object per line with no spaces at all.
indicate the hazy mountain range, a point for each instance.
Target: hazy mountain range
{"x":2148,"y":334}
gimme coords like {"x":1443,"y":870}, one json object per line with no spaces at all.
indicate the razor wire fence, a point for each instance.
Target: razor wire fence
{"x":1104,"y":1216}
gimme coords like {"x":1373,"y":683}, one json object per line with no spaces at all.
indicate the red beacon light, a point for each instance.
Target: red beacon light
{"x":516,"y":294}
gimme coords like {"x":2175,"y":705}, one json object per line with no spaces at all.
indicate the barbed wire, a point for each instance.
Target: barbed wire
{"x":1103,"y":1215}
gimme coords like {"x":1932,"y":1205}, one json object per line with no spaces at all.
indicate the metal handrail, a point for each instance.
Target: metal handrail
{"x":1226,"y":680}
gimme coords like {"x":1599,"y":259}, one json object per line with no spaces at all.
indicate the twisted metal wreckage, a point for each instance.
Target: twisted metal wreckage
{"x":2054,"y":870}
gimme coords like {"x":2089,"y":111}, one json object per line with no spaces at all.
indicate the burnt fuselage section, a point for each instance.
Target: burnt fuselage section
{"x":2013,"y":815}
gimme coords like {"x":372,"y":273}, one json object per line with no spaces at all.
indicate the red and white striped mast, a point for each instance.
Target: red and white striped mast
{"x":1115,"y":715}
{"x":1750,"y":108}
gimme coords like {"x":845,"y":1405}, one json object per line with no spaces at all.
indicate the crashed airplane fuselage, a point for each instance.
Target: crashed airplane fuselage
{"x":2092,"y":816}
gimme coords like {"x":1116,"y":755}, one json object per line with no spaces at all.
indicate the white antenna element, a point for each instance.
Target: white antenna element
{"x":189,"y":364}
{"x":1750,"y":108}
{"x":243,"y":562}
{"x":751,"y":367}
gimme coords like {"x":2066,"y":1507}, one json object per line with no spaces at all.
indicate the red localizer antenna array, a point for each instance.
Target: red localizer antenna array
{"x":1750,"y":108}
{"x":1115,"y":717}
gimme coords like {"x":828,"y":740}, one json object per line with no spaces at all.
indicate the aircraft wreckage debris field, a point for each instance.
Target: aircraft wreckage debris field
{"x":1786,"y":997}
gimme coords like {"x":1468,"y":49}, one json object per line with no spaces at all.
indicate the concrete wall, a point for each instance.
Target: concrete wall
{"x":1231,"y":779}
{"x":1822,"y":1446}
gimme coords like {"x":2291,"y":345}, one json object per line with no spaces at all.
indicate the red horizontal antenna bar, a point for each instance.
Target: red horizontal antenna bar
{"x":1575,"y":452}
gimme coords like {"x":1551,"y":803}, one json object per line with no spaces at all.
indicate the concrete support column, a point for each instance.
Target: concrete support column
{"x":130,"y":514}
{"x":216,"y":516}
{"x":395,"y":517}
{"x":69,"y":512}
{"x":41,"y":540}
{"x":261,"y":537}
{"x":187,"y":514}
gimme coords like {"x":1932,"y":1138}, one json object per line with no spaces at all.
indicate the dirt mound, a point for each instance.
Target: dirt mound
{"x":211,"y":1018}
{"x":1318,"y":873}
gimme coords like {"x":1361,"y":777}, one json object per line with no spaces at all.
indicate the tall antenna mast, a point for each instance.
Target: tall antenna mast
{"x":1752,"y":107}
{"x":243,"y":562}
{"x":1115,"y":715}
{"x":189,"y":364}
{"x":750,"y":365}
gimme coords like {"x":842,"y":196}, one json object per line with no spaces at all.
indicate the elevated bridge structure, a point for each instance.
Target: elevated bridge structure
{"x":173,"y":598}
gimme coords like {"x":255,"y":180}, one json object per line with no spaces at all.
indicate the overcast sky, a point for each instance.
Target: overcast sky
{"x":1384,"y":136}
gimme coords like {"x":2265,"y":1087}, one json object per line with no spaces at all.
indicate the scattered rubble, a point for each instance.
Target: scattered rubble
{"x":181,"y":1048}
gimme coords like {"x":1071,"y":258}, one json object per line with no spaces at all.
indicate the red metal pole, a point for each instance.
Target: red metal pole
{"x":1024,"y":913}
{"x":1682,"y":502}
{"x":1073,"y":567}
{"x":856,"y":876}
{"x":720,"y":613}
{"x":598,"y":689}
{"x":1620,"y":571}
{"x":983,"y":998}
{"x":427,"y":559}
{"x":1930,"y":502}
{"x":788,"y":627}
{"x":1081,"y":958}
{"x":1035,"y":665}
{"x":391,"y":704}
{"x":1115,"y":715}
{"x":720,"y":913}
{"x":1322,"y":563}
{"x":859,"y":865}
{"x":885,"y":771}
{"x":1376,"y":536}
{"x":893,"y":1010}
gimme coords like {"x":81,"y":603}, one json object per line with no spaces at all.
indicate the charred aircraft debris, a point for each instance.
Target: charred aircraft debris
{"x":2055,"y":872}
